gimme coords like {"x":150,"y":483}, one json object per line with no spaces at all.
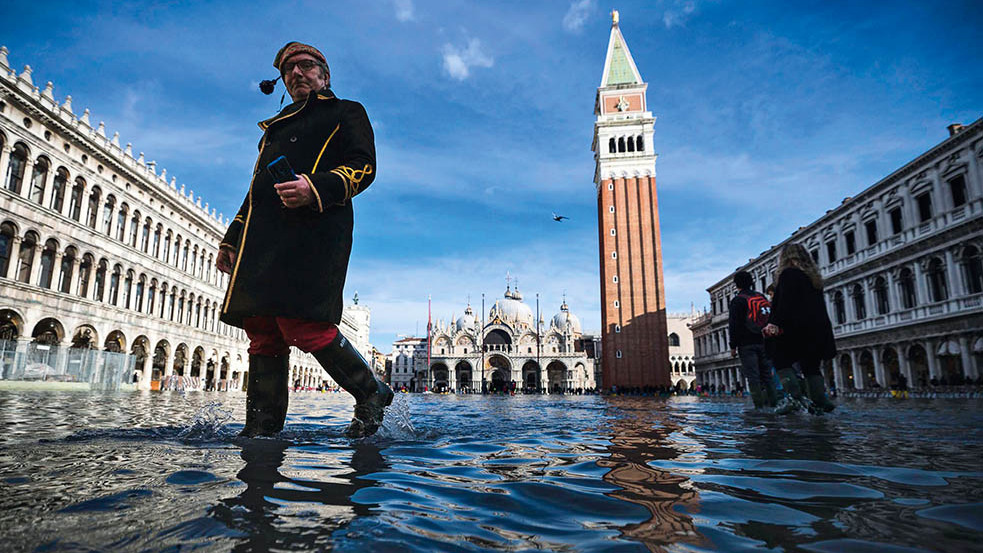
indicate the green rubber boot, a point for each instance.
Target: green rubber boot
{"x":757,"y":395}
{"x":793,"y":400}
{"x":817,"y":393}
{"x":771,"y":394}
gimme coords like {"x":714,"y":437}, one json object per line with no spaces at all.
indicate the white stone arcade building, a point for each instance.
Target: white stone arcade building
{"x":509,"y":347}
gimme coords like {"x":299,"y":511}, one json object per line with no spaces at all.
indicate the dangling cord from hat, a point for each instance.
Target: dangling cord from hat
{"x":266,"y":87}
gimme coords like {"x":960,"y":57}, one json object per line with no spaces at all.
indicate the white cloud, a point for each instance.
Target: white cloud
{"x":458,"y":63}
{"x":678,"y":13}
{"x":577,"y":15}
{"x":404,"y":10}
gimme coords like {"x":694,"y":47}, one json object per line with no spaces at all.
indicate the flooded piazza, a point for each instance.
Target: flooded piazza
{"x":144,"y":471}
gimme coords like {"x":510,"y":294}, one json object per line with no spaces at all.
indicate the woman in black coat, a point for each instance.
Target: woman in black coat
{"x":800,"y":325}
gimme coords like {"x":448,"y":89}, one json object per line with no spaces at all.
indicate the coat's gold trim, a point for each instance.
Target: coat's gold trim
{"x":266,"y":124}
{"x":352,"y":177}
{"x":242,"y":235}
{"x":320,"y":206}
{"x":318,"y":160}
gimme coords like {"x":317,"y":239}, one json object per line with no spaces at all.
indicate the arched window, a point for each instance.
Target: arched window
{"x":673,"y":340}
{"x":906,"y":285}
{"x":180,"y":308}
{"x":880,"y":296}
{"x":114,"y":284}
{"x":107,"y":214}
{"x":25,"y":260}
{"x":209,"y":268}
{"x":39,"y":179}
{"x":141,"y":284}
{"x":75,"y":201}
{"x":67,"y":267}
{"x":94,"y":197}
{"x":198,"y":314}
{"x":47,"y":263}
{"x":194,"y":259}
{"x":100,"y":283}
{"x":972,"y":270}
{"x":58,"y":186}
{"x":157,"y":233}
{"x":127,"y":288}
{"x":631,"y":143}
{"x":621,"y":144}
{"x":16,"y":167}
{"x":177,"y":251}
{"x":134,"y":227}
{"x":859,"y":302}
{"x":85,"y":273}
{"x":639,"y":144}
{"x":184,"y":255}
{"x":6,"y":245}
{"x":839,"y":308}
{"x":201,"y":264}
{"x":145,"y":237}
{"x":124,"y":210}
{"x":171,"y":303}
{"x":937,"y":286}
{"x":612,"y":147}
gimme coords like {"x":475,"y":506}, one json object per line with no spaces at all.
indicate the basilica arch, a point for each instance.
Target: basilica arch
{"x":464,"y":374}
{"x":530,"y":376}
{"x":499,"y":370}
{"x":556,"y":375}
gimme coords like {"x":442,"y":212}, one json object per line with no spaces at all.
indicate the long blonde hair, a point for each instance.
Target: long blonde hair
{"x":795,"y":255}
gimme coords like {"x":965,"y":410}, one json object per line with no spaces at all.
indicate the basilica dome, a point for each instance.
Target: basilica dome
{"x":511,"y":309}
{"x":561,"y":319}
{"x":467,"y":321}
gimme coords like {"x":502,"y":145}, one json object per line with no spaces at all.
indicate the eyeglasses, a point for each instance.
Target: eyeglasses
{"x":304,"y":65}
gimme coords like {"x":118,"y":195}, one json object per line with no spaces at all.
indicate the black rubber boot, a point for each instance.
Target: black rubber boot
{"x":347,"y":367}
{"x":266,"y":395}
{"x":817,"y":393}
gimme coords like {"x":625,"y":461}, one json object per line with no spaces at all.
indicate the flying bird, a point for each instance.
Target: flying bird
{"x":559,"y":218}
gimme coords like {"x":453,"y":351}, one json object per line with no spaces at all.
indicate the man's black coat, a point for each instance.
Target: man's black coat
{"x":292,"y":262}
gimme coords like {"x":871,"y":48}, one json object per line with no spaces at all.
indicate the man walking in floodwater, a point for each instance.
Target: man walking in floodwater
{"x":287,"y":249}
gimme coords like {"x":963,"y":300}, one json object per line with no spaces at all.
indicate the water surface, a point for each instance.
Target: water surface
{"x":164,"y":471}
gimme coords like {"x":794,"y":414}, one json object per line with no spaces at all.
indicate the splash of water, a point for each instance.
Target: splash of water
{"x":397,"y":424}
{"x":207,"y":422}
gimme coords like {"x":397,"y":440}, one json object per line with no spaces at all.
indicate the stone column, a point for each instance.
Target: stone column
{"x":921,"y":286}
{"x":14,"y":259}
{"x":892,"y":294}
{"x":969,"y":371}
{"x":879,"y":369}
{"x":858,"y":381}
{"x":837,"y":377}
{"x":4,"y":162}
{"x":73,"y":285}
{"x":36,"y":264}
{"x":46,"y":195}
{"x":903,"y":365}
{"x":952,"y":275}
{"x":930,"y":353}
{"x":56,"y":271}
{"x":451,"y":379}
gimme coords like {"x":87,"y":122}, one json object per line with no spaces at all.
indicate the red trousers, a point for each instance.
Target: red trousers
{"x":274,"y":335}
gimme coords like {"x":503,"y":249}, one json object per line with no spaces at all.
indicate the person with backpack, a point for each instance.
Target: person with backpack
{"x":748,"y":315}
{"x":800,"y":326}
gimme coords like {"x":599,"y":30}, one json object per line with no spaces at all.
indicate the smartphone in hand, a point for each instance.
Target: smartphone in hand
{"x":280,"y":170}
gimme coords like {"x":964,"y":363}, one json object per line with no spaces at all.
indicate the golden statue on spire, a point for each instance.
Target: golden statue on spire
{"x":614,"y":18}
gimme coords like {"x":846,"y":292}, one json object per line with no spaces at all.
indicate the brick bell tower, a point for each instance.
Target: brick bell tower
{"x":635,"y":344}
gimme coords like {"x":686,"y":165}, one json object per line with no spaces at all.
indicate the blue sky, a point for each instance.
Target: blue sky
{"x":768,"y":114}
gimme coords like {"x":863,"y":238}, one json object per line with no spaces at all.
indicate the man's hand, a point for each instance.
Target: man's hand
{"x":226,"y":257}
{"x":295,"y":193}
{"x":771,"y":330}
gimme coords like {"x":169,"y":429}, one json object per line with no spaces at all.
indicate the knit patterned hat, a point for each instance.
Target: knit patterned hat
{"x":292,"y":48}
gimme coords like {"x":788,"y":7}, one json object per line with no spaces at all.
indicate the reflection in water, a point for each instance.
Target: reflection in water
{"x":637,"y":437}
{"x":164,"y":472}
{"x":260,"y":512}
